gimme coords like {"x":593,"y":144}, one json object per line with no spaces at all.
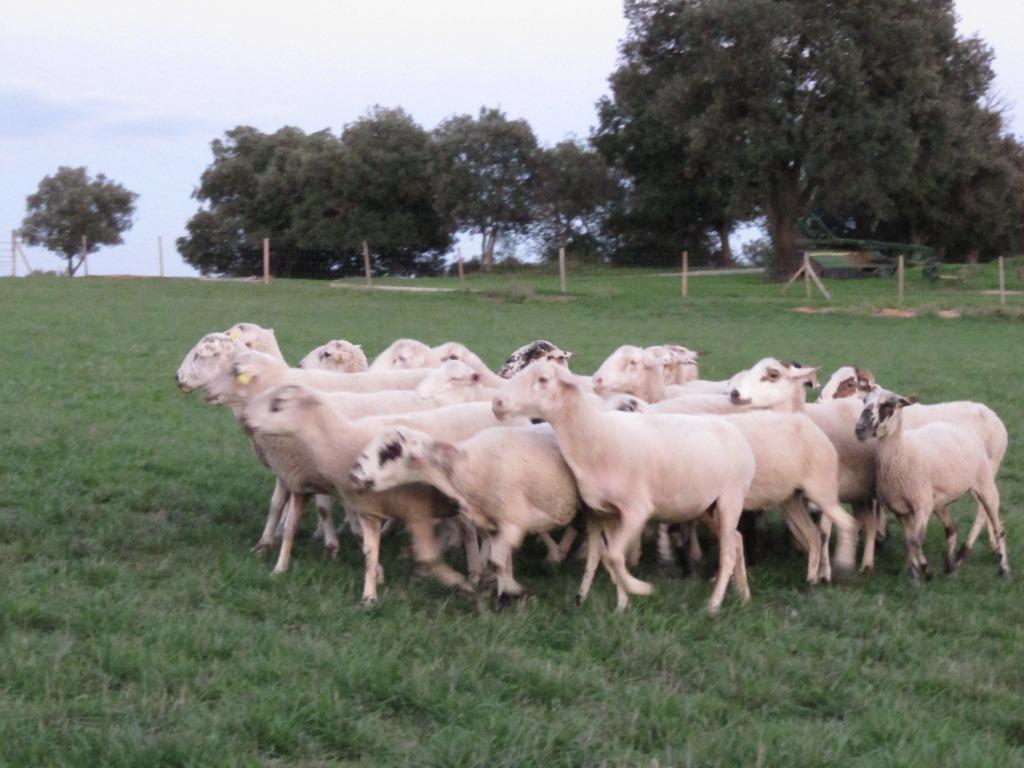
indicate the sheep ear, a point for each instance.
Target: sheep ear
{"x":656,"y":358}
{"x":865,"y":379}
{"x":905,"y":401}
{"x":234,"y":334}
{"x":809,"y":376}
{"x":564,"y":376}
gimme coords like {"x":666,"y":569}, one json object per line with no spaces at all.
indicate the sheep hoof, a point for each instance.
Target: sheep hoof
{"x":928,"y":572}
{"x":867,"y":568}
{"x":332,"y":552}
{"x":261,"y":547}
{"x":504,"y":600}
{"x":951,"y":567}
{"x":368,"y":602}
{"x":580,"y":599}
{"x":962,"y":553}
{"x":808,"y":586}
{"x":1004,"y":571}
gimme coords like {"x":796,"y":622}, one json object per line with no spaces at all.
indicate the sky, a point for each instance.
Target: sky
{"x":138,"y":90}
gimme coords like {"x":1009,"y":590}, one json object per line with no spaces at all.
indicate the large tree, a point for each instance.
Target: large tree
{"x":70,"y":205}
{"x":573,"y":191}
{"x":485,"y":172}
{"x":809,"y":100}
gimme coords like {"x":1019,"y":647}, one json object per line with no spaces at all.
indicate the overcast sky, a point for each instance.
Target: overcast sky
{"x":138,"y":90}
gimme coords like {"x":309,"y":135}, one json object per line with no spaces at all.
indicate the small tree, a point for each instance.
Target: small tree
{"x":70,"y":205}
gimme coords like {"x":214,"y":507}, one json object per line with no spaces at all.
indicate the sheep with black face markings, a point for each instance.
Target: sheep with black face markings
{"x":924,"y":470}
{"x":634,"y":467}
{"x":507,"y":481}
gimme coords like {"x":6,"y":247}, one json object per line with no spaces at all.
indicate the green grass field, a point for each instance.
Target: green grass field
{"x":138,"y":630}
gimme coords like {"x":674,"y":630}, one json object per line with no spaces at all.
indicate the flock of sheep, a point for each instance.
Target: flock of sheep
{"x":431,"y":437}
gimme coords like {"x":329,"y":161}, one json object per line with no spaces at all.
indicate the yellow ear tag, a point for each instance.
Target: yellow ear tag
{"x":234,"y":333}
{"x":340,"y":357}
{"x":244,"y":379}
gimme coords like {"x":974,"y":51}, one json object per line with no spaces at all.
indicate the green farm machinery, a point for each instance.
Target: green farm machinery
{"x":844,"y":257}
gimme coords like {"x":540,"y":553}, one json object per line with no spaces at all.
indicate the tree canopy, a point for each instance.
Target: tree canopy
{"x":773,"y":106}
{"x":69,"y":205}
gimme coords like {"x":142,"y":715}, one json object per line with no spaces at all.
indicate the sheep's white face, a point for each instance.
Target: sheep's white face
{"x":336,"y":355}
{"x":533,"y":392}
{"x":278,"y":411}
{"x":881,"y":413}
{"x":246,"y":376}
{"x":453,"y":350}
{"x":389,"y":460}
{"x":770,"y":382}
{"x":404,"y":353}
{"x":626,"y":369}
{"x":848,"y":382}
{"x":454,"y":381}
{"x":206,"y":360}
{"x":253,"y":336}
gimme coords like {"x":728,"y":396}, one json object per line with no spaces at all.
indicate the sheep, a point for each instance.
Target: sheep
{"x":207,"y":359}
{"x":781,"y":386}
{"x":926,"y":469}
{"x":507,"y":481}
{"x":640,"y":372}
{"x":319,"y":442}
{"x":405,"y":353}
{"x":256,"y":338}
{"x":858,"y":383}
{"x":632,"y":467}
{"x":456,"y":379}
{"x":453,"y":350}
{"x":336,"y":355}
{"x":682,"y":366}
{"x":531,"y":353}
{"x":794,"y":461}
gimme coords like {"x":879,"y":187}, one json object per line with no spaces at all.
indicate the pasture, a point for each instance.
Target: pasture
{"x":137,"y":629}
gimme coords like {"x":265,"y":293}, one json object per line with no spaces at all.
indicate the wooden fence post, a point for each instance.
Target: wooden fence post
{"x":160,"y":254}
{"x":462,"y":274}
{"x":1002,"y":282}
{"x":807,"y":274}
{"x":561,"y":269}
{"x":685,"y":279}
{"x":899,"y":274}
{"x":85,"y":255}
{"x":266,"y":261}
{"x":366,"y":263}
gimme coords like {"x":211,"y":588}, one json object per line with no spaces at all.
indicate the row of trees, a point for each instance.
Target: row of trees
{"x":388,"y":181}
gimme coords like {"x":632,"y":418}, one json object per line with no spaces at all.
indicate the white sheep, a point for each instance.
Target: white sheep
{"x":206,"y":360}
{"x":456,"y":379}
{"x":405,"y":353}
{"x":507,"y":481}
{"x":858,"y":383}
{"x":681,"y":366}
{"x":630,"y":468}
{"x":336,"y":355}
{"x":531,"y":353}
{"x":781,"y":386}
{"x":641,"y":372}
{"x":301,"y":423}
{"x":256,"y":338}
{"x":926,"y":469}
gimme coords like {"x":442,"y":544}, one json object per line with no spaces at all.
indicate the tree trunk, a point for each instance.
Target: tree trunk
{"x":487,"y":254}
{"x":723,"y":229}
{"x":784,"y":209}
{"x":71,"y":266}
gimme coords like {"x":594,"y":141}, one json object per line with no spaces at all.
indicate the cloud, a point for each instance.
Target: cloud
{"x":28,"y":114}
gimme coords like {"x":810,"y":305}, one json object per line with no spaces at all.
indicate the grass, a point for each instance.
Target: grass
{"x":136,"y":628}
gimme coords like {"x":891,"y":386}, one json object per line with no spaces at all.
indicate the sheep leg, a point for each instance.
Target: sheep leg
{"x":989,"y":496}
{"x":947,"y":522}
{"x":503,"y":547}
{"x":326,"y":525}
{"x":565,"y":545}
{"x":666,"y":555}
{"x":472,"y":546}
{"x":593,"y":557}
{"x":922,"y":516}
{"x":825,"y":526}
{"x":277,"y":503}
{"x":553,"y":556}
{"x":799,"y":521}
{"x":740,"y":572}
{"x":635,"y":550}
{"x":868,"y":519}
{"x":729,"y":508}
{"x":824,"y":496}
{"x":694,"y":555}
{"x":428,"y":555}
{"x":620,"y":538}
{"x":371,"y":557}
{"x":296,"y":505}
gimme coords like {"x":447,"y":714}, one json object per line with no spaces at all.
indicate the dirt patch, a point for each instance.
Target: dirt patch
{"x":896,"y":313}
{"x":399,"y":288}
{"x":949,"y":314}
{"x":1008,"y":293}
{"x":553,"y":299}
{"x":815,"y":310}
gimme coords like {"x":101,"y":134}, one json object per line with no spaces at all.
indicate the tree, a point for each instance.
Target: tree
{"x":485,"y":167}
{"x":572,"y":192}
{"x":812,"y":100}
{"x":69,"y":206}
{"x":378,"y":185}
